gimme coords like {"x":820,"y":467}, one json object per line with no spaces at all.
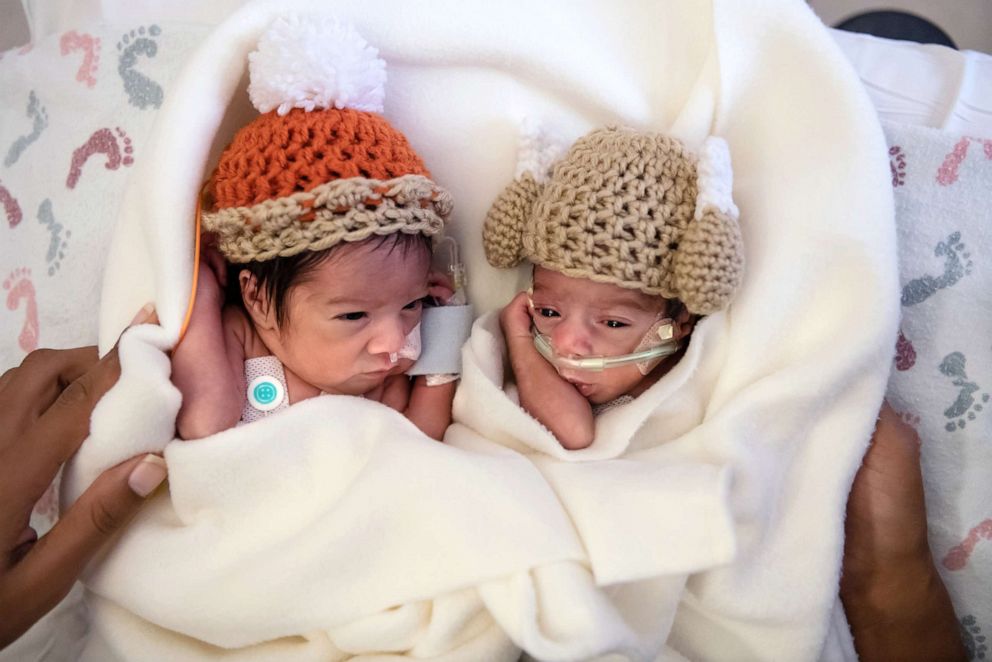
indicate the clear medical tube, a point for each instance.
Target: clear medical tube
{"x":598,"y":363}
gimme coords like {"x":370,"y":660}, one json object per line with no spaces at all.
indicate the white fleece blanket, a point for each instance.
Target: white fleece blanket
{"x":648,"y":512}
{"x":334,"y":529}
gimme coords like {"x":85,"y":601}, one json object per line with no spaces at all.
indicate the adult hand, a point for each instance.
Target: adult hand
{"x":45,"y":407}
{"x":896,"y":603}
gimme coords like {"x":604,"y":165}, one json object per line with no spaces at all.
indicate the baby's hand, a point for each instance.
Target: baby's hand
{"x":440,"y":287}
{"x":515,"y":318}
{"x":396,"y":392}
{"x":211,"y":274}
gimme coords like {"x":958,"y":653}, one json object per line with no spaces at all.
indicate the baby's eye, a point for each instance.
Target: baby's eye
{"x":352,"y":317}
{"x":548,"y":312}
{"x":415,"y":304}
{"x":615,"y":324}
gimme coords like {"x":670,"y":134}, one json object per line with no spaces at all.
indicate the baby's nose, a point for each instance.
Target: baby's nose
{"x":387,"y":337}
{"x":571,"y":338}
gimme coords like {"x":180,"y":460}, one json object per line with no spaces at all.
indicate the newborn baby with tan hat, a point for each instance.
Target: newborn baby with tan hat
{"x":632,"y":237}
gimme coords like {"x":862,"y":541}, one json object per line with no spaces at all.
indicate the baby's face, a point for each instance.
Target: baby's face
{"x":584,"y":318}
{"x":349,"y":315}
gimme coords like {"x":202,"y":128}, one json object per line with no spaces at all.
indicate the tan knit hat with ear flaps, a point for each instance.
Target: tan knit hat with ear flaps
{"x":320,"y":166}
{"x":634,"y":209}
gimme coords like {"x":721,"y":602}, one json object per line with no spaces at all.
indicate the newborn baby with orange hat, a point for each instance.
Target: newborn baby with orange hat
{"x":317,"y":264}
{"x":631,"y":237}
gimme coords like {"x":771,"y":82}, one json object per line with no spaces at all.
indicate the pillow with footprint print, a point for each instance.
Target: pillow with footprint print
{"x":75,"y":111}
{"x":941,"y":380}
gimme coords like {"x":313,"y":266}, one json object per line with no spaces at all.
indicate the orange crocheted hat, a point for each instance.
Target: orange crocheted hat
{"x":320,"y":165}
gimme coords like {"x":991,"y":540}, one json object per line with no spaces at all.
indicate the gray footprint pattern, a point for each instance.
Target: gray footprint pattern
{"x":141,"y":90}
{"x":969,"y":401}
{"x":957,"y":265}
{"x":58,"y":243}
{"x":39,"y":120}
{"x":974,"y":640}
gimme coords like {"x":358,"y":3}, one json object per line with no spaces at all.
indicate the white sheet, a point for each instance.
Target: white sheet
{"x":924,"y":85}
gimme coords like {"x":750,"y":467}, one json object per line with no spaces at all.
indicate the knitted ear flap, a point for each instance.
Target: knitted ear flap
{"x":709,"y":262}
{"x":503,"y":231}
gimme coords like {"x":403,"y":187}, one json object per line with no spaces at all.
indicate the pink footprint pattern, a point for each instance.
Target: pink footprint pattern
{"x":90,"y":45}
{"x":103,"y":141}
{"x":19,"y":288}
{"x":947,"y":173}
{"x":957,"y":557}
{"x":897,"y":163}
{"x":905,"y":353}
{"x":910,"y":418}
{"x":10,"y":206}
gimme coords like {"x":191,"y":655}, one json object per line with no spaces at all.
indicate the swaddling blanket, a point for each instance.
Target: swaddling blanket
{"x":326,"y":514}
{"x":648,"y":514}
{"x":282,"y":531}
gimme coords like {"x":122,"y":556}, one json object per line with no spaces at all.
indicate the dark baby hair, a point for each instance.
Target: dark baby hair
{"x":277,"y":276}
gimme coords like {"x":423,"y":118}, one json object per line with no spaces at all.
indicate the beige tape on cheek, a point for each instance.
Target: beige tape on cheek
{"x":660,"y":332}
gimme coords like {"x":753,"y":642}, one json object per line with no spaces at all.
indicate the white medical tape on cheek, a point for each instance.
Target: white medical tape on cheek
{"x":660,"y":333}
{"x":412,"y":347}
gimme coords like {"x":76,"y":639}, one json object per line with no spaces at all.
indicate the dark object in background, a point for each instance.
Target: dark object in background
{"x":897,"y":25}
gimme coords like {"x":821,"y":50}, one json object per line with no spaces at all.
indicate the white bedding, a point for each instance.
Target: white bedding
{"x":786,"y":410}
{"x":528,"y":79}
{"x":923,"y":85}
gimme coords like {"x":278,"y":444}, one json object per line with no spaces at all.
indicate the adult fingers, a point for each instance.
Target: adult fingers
{"x":50,"y":568}
{"x":895,"y":450}
{"x":57,"y":433}
{"x":893,"y":429}
{"x":32,"y":387}
{"x":886,"y":513}
{"x":27,"y":463}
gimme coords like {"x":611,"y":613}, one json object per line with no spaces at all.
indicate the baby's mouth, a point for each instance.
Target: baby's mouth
{"x":582,"y":387}
{"x":379,"y":372}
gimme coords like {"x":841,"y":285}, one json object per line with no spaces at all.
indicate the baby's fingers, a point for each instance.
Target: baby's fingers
{"x":440,"y":286}
{"x":516,"y":316}
{"x":396,"y":392}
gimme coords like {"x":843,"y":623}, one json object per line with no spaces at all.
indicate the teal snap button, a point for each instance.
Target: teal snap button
{"x":265,"y":393}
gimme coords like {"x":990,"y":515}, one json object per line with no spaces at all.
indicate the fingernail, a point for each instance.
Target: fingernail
{"x":148,"y":475}
{"x":143,"y":314}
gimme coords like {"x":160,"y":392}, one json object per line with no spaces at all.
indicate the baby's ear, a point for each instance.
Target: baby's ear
{"x":256,"y":301}
{"x":503,"y":231}
{"x":709,"y":262}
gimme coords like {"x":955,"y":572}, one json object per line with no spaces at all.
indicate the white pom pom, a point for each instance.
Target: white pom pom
{"x":715,"y":178}
{"x":315,"y":62}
